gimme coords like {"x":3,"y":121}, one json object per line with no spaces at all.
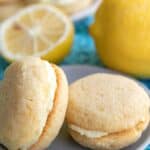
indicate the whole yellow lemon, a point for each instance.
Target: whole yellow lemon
{"x":122,"y":35}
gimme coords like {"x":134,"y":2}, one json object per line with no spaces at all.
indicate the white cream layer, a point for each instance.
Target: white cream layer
{"x":87,"y":133}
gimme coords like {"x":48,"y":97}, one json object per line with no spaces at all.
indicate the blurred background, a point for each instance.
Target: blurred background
{"x":83,"y":49}
{"x":106,"y":34}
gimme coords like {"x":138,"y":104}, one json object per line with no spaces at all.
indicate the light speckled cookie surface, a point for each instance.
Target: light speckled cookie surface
{"x":107,"y":103}
{"x":25,"y":102}
{"x":56,"y":117}
{"x":32,"y":104}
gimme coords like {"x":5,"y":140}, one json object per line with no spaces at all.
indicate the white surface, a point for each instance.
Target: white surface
{"x":64,"y":141}
{"x":86,"y":12}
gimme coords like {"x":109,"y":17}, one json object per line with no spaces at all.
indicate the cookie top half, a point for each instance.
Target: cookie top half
{"x":108,"y":103}
{"x":27,"y":95}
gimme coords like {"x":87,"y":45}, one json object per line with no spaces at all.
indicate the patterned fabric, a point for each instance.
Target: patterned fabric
{"x":83,"y":50}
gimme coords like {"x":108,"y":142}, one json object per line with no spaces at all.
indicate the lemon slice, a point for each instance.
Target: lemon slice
{"x":38,"y":30}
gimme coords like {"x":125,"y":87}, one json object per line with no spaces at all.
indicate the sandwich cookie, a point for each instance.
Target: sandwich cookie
{"x":33,"y":102}
{"x":107,"y":112}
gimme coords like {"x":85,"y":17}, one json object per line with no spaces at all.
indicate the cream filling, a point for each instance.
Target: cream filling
{"x":52,"y":81}
{"x":87,"y":133}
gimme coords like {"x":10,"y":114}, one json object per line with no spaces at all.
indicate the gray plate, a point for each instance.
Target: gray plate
{"x":64,"y":141}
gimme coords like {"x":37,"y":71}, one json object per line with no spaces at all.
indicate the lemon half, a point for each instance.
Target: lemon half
{"x":38,"y":30}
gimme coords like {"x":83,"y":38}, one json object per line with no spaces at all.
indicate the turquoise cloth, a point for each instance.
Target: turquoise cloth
{"x":83,"y":50}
